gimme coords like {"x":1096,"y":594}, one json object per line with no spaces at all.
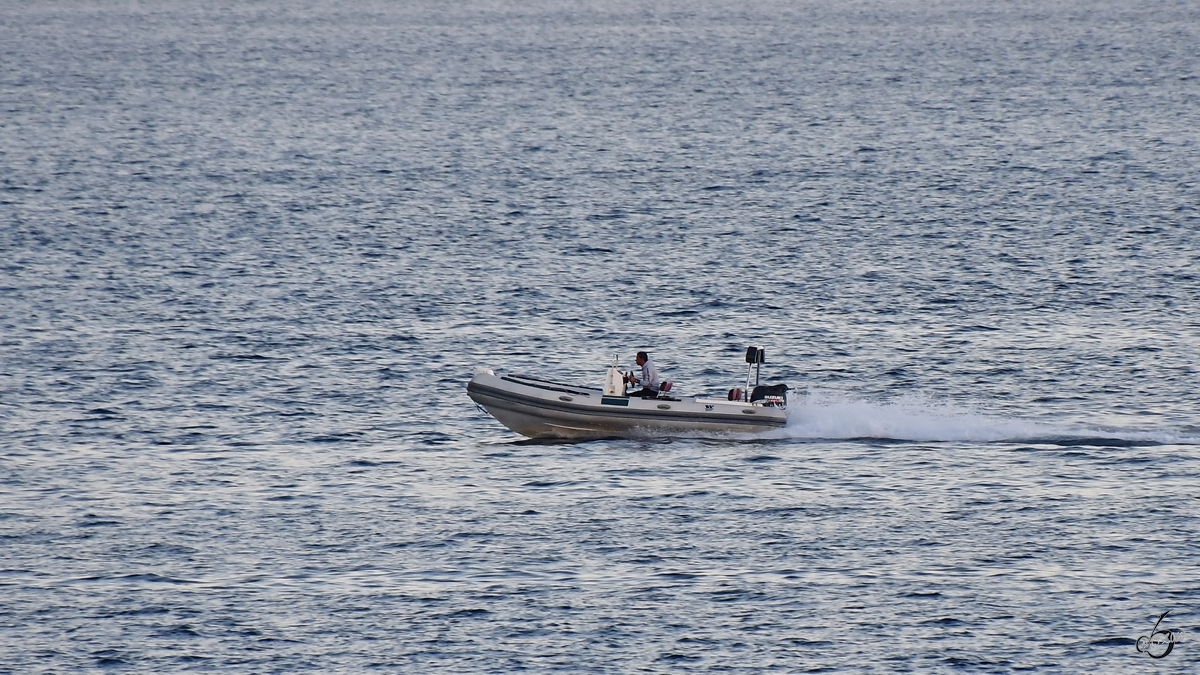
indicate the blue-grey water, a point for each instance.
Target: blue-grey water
{"x":251,"y":253}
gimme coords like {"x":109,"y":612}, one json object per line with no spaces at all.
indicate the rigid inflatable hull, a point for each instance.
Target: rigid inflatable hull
{"x":540,"y":409}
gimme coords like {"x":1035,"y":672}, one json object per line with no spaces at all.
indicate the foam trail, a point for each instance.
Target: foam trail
{"x":917,"y":418}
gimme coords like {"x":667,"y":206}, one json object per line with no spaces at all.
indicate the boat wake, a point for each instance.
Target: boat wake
{"x":822,"y":415}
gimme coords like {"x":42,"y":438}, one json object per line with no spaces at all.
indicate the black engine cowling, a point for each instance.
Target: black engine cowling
{"x":763,"y":391}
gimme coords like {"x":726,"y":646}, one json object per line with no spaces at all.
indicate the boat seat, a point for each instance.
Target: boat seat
{"x":664,"y":390}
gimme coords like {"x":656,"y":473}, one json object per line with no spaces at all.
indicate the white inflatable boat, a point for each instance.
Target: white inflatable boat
{"x":543,"y":409}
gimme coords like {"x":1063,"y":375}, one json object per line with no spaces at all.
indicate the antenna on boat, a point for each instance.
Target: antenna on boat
{"x":755,"y":357}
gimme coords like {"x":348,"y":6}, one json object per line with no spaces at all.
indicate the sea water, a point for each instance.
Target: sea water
{"x":251,"y":253}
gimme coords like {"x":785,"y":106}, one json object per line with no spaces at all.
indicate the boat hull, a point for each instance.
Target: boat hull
{"x":541,"y":409}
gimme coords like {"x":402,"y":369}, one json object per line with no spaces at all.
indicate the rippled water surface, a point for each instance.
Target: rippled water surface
{"x":251,"y":253}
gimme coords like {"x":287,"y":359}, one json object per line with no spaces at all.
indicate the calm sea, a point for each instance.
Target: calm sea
{"x":251,"y":253}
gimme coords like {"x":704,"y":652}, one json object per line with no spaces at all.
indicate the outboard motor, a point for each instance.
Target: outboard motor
{"x":770,"y":394}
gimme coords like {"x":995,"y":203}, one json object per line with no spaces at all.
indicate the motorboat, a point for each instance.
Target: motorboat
{"x":540,"y":408}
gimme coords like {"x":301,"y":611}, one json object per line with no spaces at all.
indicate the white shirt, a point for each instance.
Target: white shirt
{"x":649,"y":375}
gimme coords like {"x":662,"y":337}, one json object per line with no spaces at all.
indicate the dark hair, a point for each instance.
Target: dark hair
{"x":643,"y":355}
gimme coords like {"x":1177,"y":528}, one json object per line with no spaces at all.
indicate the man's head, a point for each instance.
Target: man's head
{"x":642,"y":358}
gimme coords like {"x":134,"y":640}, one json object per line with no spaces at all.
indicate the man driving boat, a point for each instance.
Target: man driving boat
{"x":649,"y":378}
